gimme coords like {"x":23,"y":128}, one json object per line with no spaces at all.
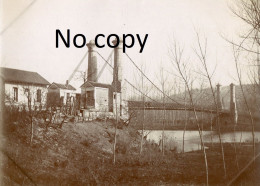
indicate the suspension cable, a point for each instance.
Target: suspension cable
{"x":150,"y":80}
{"x":140,"y":91}
{"x":127,"y":80}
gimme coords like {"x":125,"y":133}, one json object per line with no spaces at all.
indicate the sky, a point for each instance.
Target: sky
{"x":29,"y":43}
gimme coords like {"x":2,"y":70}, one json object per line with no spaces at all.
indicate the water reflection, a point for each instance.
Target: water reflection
{"x":174,"y":139}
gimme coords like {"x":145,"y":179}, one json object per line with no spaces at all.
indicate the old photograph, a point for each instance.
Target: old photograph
{"x":130,"y":92}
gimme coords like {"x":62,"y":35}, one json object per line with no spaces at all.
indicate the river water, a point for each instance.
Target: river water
{"x":174,"y":139}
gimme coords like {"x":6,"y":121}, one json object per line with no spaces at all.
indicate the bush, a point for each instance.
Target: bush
{"x":122,"y":146}
{"x":15,"y":114}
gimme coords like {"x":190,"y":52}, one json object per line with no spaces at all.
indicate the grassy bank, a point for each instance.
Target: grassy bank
{"x":81,"y":153}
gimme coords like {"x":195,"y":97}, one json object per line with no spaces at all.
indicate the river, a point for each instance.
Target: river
{"x":174,"y":139}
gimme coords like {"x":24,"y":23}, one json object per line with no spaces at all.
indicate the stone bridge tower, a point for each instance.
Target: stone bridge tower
{"x":118,"y":84}
{"x":219,"y":103}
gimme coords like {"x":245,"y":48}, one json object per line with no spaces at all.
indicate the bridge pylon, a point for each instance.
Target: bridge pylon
{"x":120,"y":105}
{"x":219,"y":103}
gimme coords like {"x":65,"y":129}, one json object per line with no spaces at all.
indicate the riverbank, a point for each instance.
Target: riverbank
{"x":204,"y":127}
{"x":81,"y":153}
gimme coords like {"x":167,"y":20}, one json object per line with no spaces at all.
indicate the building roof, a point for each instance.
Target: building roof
{"x":22,"y":76}
{"x":62,"y":86}
{"x":95,"y":84}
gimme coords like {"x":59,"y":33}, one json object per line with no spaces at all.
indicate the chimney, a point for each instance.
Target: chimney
{"x":67,"y":83}
{"x":219,"y":104}
{"x":233,"y":108}
{"x":91,"y":75}
{"x":117,"y":74}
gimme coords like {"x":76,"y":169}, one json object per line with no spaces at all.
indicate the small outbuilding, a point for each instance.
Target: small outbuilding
{"x":61,"y":94}
{"x":98,"y":96}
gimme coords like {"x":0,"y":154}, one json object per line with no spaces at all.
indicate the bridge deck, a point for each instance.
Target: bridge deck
{"x":176,"y":108}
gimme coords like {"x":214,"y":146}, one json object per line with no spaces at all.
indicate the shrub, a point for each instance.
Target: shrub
{"x":122,"y":146}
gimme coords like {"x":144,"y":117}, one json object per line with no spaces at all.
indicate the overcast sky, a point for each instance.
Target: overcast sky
{"x":29,"y":44}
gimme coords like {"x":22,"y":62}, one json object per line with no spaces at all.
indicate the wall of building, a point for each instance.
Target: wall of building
{"x":63,"y":92}
{"x":23,"y":96}
{"x":116,"y":103}
{"x":82,"y":98}
{"x":101,"y":99}
{"x":53,"y":97}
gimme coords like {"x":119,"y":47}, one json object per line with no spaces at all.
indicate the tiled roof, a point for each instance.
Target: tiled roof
{"x":95,"y":84}
{"x":63,"y":86}
{"x":22,"y":76}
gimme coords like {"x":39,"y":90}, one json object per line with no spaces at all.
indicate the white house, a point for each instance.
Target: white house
{"x":23,"y":87}
{"x":61,"y":93}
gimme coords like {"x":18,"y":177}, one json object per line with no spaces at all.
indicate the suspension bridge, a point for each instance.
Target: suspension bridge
{"x":143,"y":94}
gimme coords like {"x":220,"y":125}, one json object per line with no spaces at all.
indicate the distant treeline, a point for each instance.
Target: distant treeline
{"x":147,"y":104}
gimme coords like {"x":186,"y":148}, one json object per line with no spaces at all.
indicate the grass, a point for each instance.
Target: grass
{"x":81,"y":153}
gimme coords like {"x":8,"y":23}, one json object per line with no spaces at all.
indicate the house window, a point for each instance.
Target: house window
{"x":15,"y":90}
{"x":39,"y":95}
{"x":26,"y":91}
{"x":27,"y":94}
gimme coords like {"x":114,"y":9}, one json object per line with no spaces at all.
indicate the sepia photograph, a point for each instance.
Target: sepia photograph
{"x":130,"y":92}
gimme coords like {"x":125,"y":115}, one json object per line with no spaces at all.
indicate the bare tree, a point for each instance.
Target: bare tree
{"x":176,"y":56}
{"x":162,"y":79}
{"x":116,"y":122}
{"x":239,"y":76}
{"x":30,"y":98}
{"x":201,"y":53}
{"x":249,"y":12}
{"x":143,"y":121}
{"x":29,"y":107}
{"x":186,"y":119}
